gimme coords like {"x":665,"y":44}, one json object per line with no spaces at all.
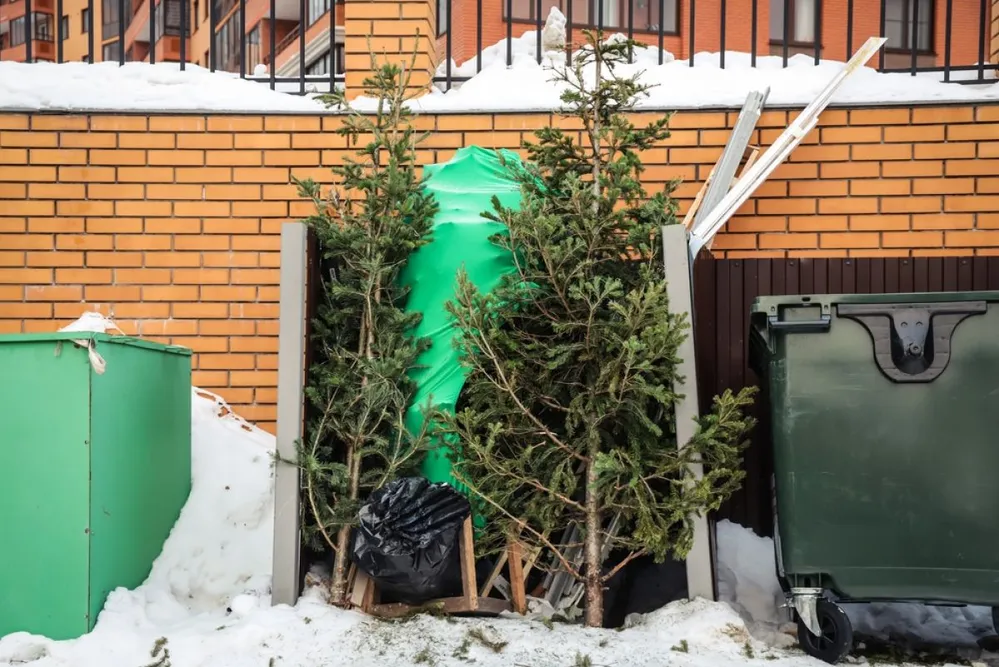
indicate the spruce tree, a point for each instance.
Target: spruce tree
{"x":367,"y":225}
{"x":567,"y":413}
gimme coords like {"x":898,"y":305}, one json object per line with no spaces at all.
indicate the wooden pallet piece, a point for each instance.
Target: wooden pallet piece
{"x":471,"y":602}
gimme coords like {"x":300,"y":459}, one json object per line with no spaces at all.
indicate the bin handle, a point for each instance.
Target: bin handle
{"x":912,"y":342}
{"x":821,"y":324}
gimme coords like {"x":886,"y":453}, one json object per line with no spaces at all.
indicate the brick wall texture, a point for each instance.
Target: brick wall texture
{"x":172,"y":223}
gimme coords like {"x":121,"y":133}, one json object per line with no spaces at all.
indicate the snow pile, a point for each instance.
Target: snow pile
{"x":529,"y":86}
{"x":524,"y":86}
{"x":162,"y":87}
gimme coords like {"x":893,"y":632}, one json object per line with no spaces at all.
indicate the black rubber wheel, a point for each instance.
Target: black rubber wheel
{"x":836,"y":639}
{"x":995,"y":619}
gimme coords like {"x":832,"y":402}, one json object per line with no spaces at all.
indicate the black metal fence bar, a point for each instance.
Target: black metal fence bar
{"x":817,"y":37}
{"x":152,"y":31}
{"x":242,"y":41}
{"x":849,"y":26}
{"x":121,"y":31}
{"x":183,"y":33}
{"x":272,"y":60}
{"x":754,"y":22}
{"x":90,"y":31}
{"x":60,"y":35}
{"x":721,"y":31}
{"x":29,"y":31}
{"x":693,"y":23}
{"x":947,"y":38}
{"x":983,"y":23}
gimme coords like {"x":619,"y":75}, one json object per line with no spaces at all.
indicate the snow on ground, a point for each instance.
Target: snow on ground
{"x":207,"y":602}
{"x":526,"y":86}
{"x":748,"y":582}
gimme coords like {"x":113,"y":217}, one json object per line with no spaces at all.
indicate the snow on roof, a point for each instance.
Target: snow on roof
{"x":524,"y":86}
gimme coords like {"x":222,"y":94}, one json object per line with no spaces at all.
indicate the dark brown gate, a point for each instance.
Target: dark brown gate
{"x":724,"y":290}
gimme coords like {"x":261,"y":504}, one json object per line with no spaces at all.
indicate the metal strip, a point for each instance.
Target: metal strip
{"x":778,"y":152}
{"x":700,"y":569}
{"x":730,"y":158}
{"x":290,"y":412}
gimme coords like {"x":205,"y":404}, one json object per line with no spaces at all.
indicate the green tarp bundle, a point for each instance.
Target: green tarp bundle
{"x":464,"y":188}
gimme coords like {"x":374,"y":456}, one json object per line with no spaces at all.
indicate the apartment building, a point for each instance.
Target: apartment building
{"x":149,"y":30}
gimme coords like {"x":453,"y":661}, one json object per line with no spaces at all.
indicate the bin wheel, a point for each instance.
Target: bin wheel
{"x":837,"y":633}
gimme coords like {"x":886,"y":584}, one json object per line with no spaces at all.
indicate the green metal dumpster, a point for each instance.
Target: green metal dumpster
{"x":94,"y":470}
{"x":885,"y":428}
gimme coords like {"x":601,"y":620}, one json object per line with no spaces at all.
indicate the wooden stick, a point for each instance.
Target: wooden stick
{"x":469,"y":587}
{"x":688,"y":219}
{"x":517,"y":591}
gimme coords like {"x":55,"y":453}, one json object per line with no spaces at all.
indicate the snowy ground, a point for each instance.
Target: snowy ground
{"x":207,"y":596}
{"x":525,"y":86}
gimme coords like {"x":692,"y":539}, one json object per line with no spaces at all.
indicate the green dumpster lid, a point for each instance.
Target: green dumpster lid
{"x":765,"y":304}
{"x":100,"y":338}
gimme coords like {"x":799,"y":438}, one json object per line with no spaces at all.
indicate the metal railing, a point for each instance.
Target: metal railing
{"x":792,"y":26}
{"x":925,"y":36}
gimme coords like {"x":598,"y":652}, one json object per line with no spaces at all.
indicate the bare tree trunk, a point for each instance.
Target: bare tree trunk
{"x":592,"y":547}
{"x":592,"y":551}
{"x":339,"y":593}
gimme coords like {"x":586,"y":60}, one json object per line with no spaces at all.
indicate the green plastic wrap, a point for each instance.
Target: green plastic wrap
{"x":464,"y":188}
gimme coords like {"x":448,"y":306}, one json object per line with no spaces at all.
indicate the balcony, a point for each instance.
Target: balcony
{"x":16,"y":8}
{"x":167,"y":29}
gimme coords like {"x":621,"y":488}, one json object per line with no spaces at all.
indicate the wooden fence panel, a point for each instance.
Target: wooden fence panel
{"x":724,"y":290}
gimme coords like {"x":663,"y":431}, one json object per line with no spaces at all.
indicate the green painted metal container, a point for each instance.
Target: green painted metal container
{"x":885,"y":427}
{"x":94,"y":470}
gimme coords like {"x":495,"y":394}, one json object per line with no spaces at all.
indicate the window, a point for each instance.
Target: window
{"x":110,"y":18}
{"x":800,"y":19}
{"x":316,"y":9}
{"x":609,"y":14}
{"x":41,"y":28}
{"x":85,"y":21}
{"x":227,"y":45}
{"x":64,"y":27}
{"x":168,"y":19}
{"x":110,"y":52}
{"x":322,"y":65}
{"x":899,"y":15}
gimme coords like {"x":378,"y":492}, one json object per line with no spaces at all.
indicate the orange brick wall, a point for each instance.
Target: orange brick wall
{"x":172,"y":223}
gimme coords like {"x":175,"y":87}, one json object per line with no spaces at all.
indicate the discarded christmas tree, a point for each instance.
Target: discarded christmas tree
{"x":367,"y":226}
{"x":567,"y":413}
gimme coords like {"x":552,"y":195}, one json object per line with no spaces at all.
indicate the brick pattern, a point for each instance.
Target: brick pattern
{"x":171,"y":223}
{"x":397,"y":31}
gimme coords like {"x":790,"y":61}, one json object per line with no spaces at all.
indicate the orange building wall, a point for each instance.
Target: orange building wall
{"x":172,"y":223}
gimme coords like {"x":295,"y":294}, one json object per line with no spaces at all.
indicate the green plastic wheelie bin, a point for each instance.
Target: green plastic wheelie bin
{"x":885,"y":432}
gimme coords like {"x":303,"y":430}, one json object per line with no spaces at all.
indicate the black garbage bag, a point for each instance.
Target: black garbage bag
{"x":407,"y":539}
